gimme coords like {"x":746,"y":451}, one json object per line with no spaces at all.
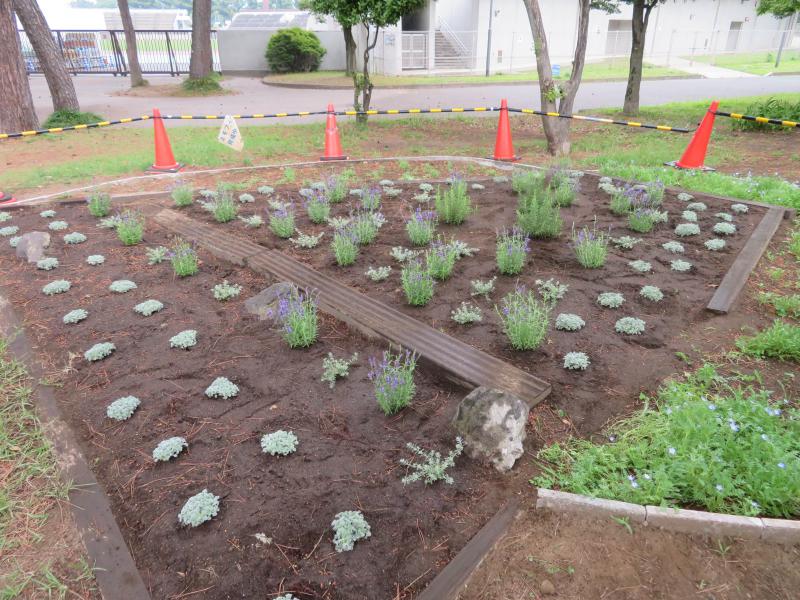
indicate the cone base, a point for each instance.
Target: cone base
{"x":512,"y":159}
{"x":677,"y":164}
{"x":325,"y":158}
{"x":6,"y":198}
{"x":173,"y":169}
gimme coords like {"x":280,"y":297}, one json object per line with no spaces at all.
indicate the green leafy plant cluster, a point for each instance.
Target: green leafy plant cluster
{"x":198,"y":509}
{"x":222,"y":387}
{"x":169,"y":448}
{"x":345,"y":246}
{"x":453,"y":205}
{"x":183,"y":259}
{"x":440,"y":259}
{"x":184,"y":340}
{"x":225,"y":291}
{"x":335,"y":368}
{"x":225,"y":208}
{"x":99,"y":351}
{"x":780,"y":340}
{"x":122,"y":409}
{"x":590,"y":246}
{"x":393,"y":378}
{"x":418,"y":283}
{"x":511,"y":251}
{"x":130,"y":228}
{"x":279,"y":443}
{"x":539,"y":215}
{"x":74,"y":316}
{"x":99,"y":204}
{"x":294,"y":50}
{"x":182,"y":195}
{"x":349,"y":527}
{"x":433,"y":466}
{"x":467,"y":314}
{"x":524,"y":319}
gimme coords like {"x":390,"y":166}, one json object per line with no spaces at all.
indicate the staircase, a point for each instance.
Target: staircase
{"x":449,"y":53}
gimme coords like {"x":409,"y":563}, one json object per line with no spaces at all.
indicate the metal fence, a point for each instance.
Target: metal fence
{"x":165,"y":52}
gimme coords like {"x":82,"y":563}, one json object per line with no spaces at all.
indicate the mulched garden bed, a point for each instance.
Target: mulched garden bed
{"x":348,"y":452}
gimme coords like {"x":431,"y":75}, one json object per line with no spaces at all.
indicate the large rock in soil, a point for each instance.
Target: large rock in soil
{"x":492,"y":424}
{"x":31,"y":245}
{"x":265,"y":302}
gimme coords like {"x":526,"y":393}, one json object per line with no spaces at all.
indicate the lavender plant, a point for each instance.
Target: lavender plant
{"x":642,"y":220}
{"x":184,"y":340}
{"x":441,"y":259}
{"x":421,"y":226}
{"x":453,"y":205}
{"x":122,"y":409}
{"x":281,"y":221}
{"x":130,"y":227}
{"x":198,"y":509}
{"x":222,"y":387}
{"x":279,"y":443}
{"x":345,"y":246}
{"x":297,"y":316}
{"x":590,"y":246}
{"x":467,"y":314}
{"x":182,"y":195}
{"x":169,"y":448}
{"x":511,"y":251}
{"x":335,"y":189}
{"x":528,"y":182}
{"x":417,"y":283}
{"x":576,"y":361}
{"x":365,"y":227}
{"x":539,"y":215}
{"x":99,"y":204}
{"x":349,"y":527}
{"x":433,"y":467}
{"x":371,"y":198}
{"x":183,"y":259}
{"x":335,"y":368}
{"x":393,"y":378}
{"x":225,"y":208}
{"x":524,"y":319}
{"x":318,"y":207}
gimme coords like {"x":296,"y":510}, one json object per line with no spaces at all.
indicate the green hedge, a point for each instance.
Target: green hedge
{"x":294,"y":50}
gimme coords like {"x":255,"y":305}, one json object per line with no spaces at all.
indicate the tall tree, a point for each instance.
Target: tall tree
{"x":781,"y":9}
{"x":16,"y":102}
{"x":557,"y":97}
{"x":200,"y":64}
{"x":347,"y":15}
{"x":639,"y":22}
{"x":62,"y":91}
{"x":131,"y":49}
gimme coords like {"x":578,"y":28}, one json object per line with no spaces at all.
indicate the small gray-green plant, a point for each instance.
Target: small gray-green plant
{"x":47,"y":214}
{"x":335,"y":368}
{"x":121,"y":286}
{"x":426,"y":187}
{"x":629,"y":326}
{"x":225,"y":291}
{"x":422,"y":197}
{"x":569,"y":322}
{"x":626,"y":242}
{"x":722,"y":216}
{"x":724,"y":228}
{"x":198,"y":509}
{"x":281,"y":221}
{"x":14,"y":241}
{"x":279,"y":443}
{"x":739,"y":209}
{"x":109,"y":222}
{"x":433,"y":467}
{"x":378,"y":273}
{"x":184,"y":340}
{"x":130,"y":227}
{"x":59,"y":286}
{"x":95,"y":259}
{"x":303,"y":240}
{"x":75,"y":237}
{"x":74,"y":316}
{"x":246,"y":198}
{"x":183,"y":259}
{"x":208,"y":194}
{"x":689,"y":216}
{"x":349,"y":527}
{"x":252,"y":221}
{"x":401,"y":254}
{"x":524,"y":319}
{"x":477,"y":187}
{"x":56,"y":225}
{"x":681,"y":266}
{"x":687,"y":229}
{"x":500,"y":179}
{"x":463,"y":248}
{"x":674,"y":247}
{"x":222,"y":387}
{"x":99,"y":351}
{"x":697,"y":206}
{"x":642,"y":266}
{"x":715,"y":244}
{"x":481,"y":287}
{"x":393,"y":378}
{"x":467,"y":314}
{"x":551,"y":290}
{"x":453,"y":205}
{"x":156,"y":255}
{"x":48,"y":263}
{"x":122,"y":409}
{"x":265,"y":190}
{"x":11,"y":230}
{"x":339,"y":222}
{"x":99,"y":204}
{"x":652,"y":293}
{"x":345,"y":246}
{"x":610,"y":299}
{"x":182,"y":195}
{"x":684,"y":197}
{"x":576,"y":361}
{"x":148,"y":307}
{"x":169,"y":448}
{"x":417,"y":282}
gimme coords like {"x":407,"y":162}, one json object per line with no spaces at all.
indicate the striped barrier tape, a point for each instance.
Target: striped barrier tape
{"x":531,"y":111}
{"x":4,"y":136}
{"x":764,"y":120}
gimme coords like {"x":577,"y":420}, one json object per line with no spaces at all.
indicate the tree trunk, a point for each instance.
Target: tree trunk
{"x":16,"y":103}
{"x":130,"y":45}
{"x":53,"y":65}
{"x":362,"y":85}
{"x":641,"y":16}
{"x":349,"y":51}
{"x":557,"y":97}
{"x":200,"y":64}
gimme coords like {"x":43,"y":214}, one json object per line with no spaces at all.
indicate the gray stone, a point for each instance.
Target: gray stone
{"x":547,"y":588}
{"x":31,"y":245}
{"x":492,"y":424}
{"x":265,"y":302}
{"x":599,"y":507}
{"x":704,"y":523}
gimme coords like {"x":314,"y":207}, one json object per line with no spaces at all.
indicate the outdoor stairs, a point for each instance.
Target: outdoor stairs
{"x":447,"y":55}
{"x":460,"y":362}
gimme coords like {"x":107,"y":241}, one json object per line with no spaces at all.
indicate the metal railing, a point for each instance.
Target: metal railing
{"x":164,"y":52}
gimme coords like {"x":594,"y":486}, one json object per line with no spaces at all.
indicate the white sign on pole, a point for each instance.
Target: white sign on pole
{"x":229,"y":134}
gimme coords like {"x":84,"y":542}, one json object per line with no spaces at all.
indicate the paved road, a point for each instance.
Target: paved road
{"x":99,"y":93}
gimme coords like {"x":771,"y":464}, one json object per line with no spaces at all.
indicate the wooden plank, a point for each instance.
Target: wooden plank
{"x":452,"y":579}
{"x":736,"y":277}
{"x":462,"y":362}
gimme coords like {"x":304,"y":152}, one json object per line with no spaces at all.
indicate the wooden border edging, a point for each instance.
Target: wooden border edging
{"x":451,"y":580}
{"x":736,"y":277}
{"x":774,"y":531}
{"x":112,"y":564}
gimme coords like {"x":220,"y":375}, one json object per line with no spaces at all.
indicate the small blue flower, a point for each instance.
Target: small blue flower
{"x":712,"y":407}
{"x":781,"y":465}
{"x":647,"y":476}
{"x":719,"y":487}
{"x":672,"y":451}
{"x":764,"y":437}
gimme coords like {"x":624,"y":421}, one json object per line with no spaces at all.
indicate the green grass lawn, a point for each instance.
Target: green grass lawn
{"x":614,"y":69}
{"x":758,"y":63}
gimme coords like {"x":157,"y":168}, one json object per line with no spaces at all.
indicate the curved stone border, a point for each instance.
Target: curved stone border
{"x":777,"y":531}
{"x":112,"y":564}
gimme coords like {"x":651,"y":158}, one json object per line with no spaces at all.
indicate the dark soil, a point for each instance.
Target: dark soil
{"x":347,"y":458}
{"x":622,"y":366}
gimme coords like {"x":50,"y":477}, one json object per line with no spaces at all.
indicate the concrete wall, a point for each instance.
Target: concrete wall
{"x":242,"y":50}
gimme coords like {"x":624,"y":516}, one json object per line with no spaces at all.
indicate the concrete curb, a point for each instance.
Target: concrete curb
{"x":774,"y":531}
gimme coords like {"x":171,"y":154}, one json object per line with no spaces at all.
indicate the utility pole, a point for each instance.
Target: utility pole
{"x":489,"y":38}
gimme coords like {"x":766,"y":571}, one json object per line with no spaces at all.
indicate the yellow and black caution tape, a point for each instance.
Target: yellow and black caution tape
{"x":531,"y":111}
{"x":765,"y":120}
{"x":20,"y":134}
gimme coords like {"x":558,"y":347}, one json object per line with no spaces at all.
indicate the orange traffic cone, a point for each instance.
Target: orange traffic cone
{"x":6,"y":198}
{"x":503,"y":146}
{"x":333,"y":147}
{"x":165,"y":161}
{"x":695,"y":152}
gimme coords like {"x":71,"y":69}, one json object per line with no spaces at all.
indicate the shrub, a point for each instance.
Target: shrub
{"x":349,"y":527}
{"x":66,"y":117}
{"x":121,"y":286}
{"x":724,"y":216}
{"x":524,"y":318}
{"x":222,"y":387}
{"x":680,"y":266}
{"x":148,"y":307}
{"x":371,"y":198}
{"x":225,"y":208}
{"x":365,"y":226}
{"x":652,"y":293}
{"x":569,"y":322}
{"x":551,"y":290}
{"x":47,"y":214}
{"x":781,"y":340}
{"x":453,"y":204}
{"x":99,"y":351}
{"x":642,"y":220}
{"x":687,"y":229}
{"x":95,"y":259}
{"x":684,"y":197}
{"x":6,"y":216}
{"x":99,"y":204}
{"x":281,"y":221}
{"x":182,"y":195}
{"x":169,"y":448}
{"x":14,"y":241}
{"x":528,"y":182}
{"x":345,"y":246}
{"x":785,"y":306}
{"x":697,"y":206}
{"x":785,"y":110}
{"x":294,"y":50}
{"x":12,"y":230}
{"x":739,"y":209}
{"x":74,"y":316}
{"x":724,"y":228}
{"x":130,"y":228}
{"x":642,"y":266}
{"x":539,"y":216}
{"x":715,"y":244}
{"x":421,"y":226}
{"x":199,"y":508}
{"x":482,"y":288}
{"x":47,"y":263}
{"x":52,"y":226}
{"x":184,"y":340}
{"x":183,"y":259}
{"x":377,"y":274}
{"x":252,"y":221}
{"x":122,"y":409}
{"x":689,"y":215}
{"x":393,"y":378}
{"x":334,"y":368}
{"x":576,"y":361}
{"x":417,"y":283}
{"x":401,"y":254}
{"x":225,"y":291}
{"x":433,"y":467}
{"x":674,"y":247}
{"x":297,"y":314}
{"x":590,"y":247}
{"x":318,"y":207}
{"x":59,"y":286}
{"x":75,"y":237}
{"x":279,"y":443}
{"x":156,"y":255}
{"x":626,"y":242}
{"x":306,"y":241}
{"x":629,"y":326}
{"x":246,"y":198}
{"x":441,"y":259}
{"x":610,"y":299}
{"x":511,"y":251}
{"x":466,"y":314}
